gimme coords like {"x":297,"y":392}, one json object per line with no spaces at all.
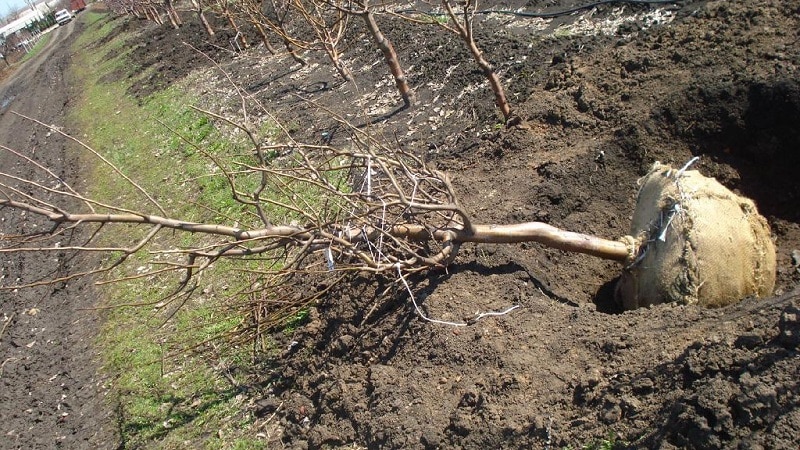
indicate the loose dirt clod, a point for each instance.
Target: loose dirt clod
{"x":698,"y":243}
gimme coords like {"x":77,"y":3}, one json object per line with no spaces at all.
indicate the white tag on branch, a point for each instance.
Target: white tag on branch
{"x":329,"y":259}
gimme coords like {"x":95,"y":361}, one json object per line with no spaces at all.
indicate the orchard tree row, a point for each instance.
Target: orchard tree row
{"x":297,"y":27}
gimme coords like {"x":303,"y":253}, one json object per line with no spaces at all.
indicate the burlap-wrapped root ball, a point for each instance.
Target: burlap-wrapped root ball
{"x":697,"y":242}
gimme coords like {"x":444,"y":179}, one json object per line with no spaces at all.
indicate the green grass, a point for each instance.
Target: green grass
{"x":608,"y":443}
{"x":166,"y":395}
{"x":296,"y":319}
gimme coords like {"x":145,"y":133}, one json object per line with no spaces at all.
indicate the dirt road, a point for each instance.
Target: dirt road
{"x":50,"y":395}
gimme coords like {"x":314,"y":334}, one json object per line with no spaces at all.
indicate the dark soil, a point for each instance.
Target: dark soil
{"x":720,"y":80}
{"x":50,"y":393}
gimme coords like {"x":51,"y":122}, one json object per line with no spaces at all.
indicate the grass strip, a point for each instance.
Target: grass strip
{"x":166,"y":397}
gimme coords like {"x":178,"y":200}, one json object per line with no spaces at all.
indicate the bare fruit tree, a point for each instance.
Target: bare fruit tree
{"x":308,"y":209}
{"x":276,"y":17}
{"x":329,"y":25}
{"x":199,"y":8}
{"x":252,"y":12}
{"x":462,"y":23}
{"x":363,"y":9}
{"x":225,"y":9}
{"x":172,"y":14}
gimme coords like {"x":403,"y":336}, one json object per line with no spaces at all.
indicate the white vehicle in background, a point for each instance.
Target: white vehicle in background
{"x":63,"y":17}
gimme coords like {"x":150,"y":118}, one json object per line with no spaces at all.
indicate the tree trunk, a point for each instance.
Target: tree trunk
{"x":275,"y":16}
{"x":156,"y":17}
{"x":205,"y":23}
{"x":341,"y":68}
{"x":494,"y":81}
{"x":146,"y":12}
{"x":542,"y":233}
{"x":390,"y":56}
{"x":265,"y":38}
{"x":240,"y":37}
{"x":198,"y":6}
{"x":292,"y":52}
{"x":465,"y":31}
{"x":174,"y":18}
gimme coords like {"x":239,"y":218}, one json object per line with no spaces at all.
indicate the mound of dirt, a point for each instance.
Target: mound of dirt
{"x":602,"y":94}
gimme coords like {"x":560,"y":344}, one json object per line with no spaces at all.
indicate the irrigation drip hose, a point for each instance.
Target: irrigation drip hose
{"x":547,"y":15}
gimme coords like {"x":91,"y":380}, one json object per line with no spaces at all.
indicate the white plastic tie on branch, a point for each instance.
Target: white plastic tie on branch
{"x":676,"y":208}
{"x":329,"y":259}
{"x":383,"y":227}
{"x":369,"y":176}
{"x":369,"y":243}
{"x":381,"y":256}
{"x":376,"y":248}
{"x":235,"y":43}
{"x":684,"y":196}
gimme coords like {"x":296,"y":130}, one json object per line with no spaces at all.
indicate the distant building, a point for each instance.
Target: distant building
{"x":27,"y":17}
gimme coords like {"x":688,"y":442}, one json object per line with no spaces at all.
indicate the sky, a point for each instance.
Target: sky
{"x":9,"y":5}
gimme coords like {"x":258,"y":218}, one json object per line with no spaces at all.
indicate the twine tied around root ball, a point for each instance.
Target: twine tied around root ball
{"x":697,"y":243}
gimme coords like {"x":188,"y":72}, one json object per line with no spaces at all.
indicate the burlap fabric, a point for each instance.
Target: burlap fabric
{"x":697,"y":242}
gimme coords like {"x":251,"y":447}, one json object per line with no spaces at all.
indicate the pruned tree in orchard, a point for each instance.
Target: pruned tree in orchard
{"x":145,"y":9}
{"x":123,"y":7}
{"x":151,"y":12}
{"x":328,"y":25}
{"x":251,"y":9}
{"x":156,"y":8}
{"x":363,"y":10}
{"x":199,"y":8}
{"x":461,"y":22}
{"x":225,"y":9}
{"x":463,"y":26}
{"x":172,"y":14}
{"x":276,"y":17}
